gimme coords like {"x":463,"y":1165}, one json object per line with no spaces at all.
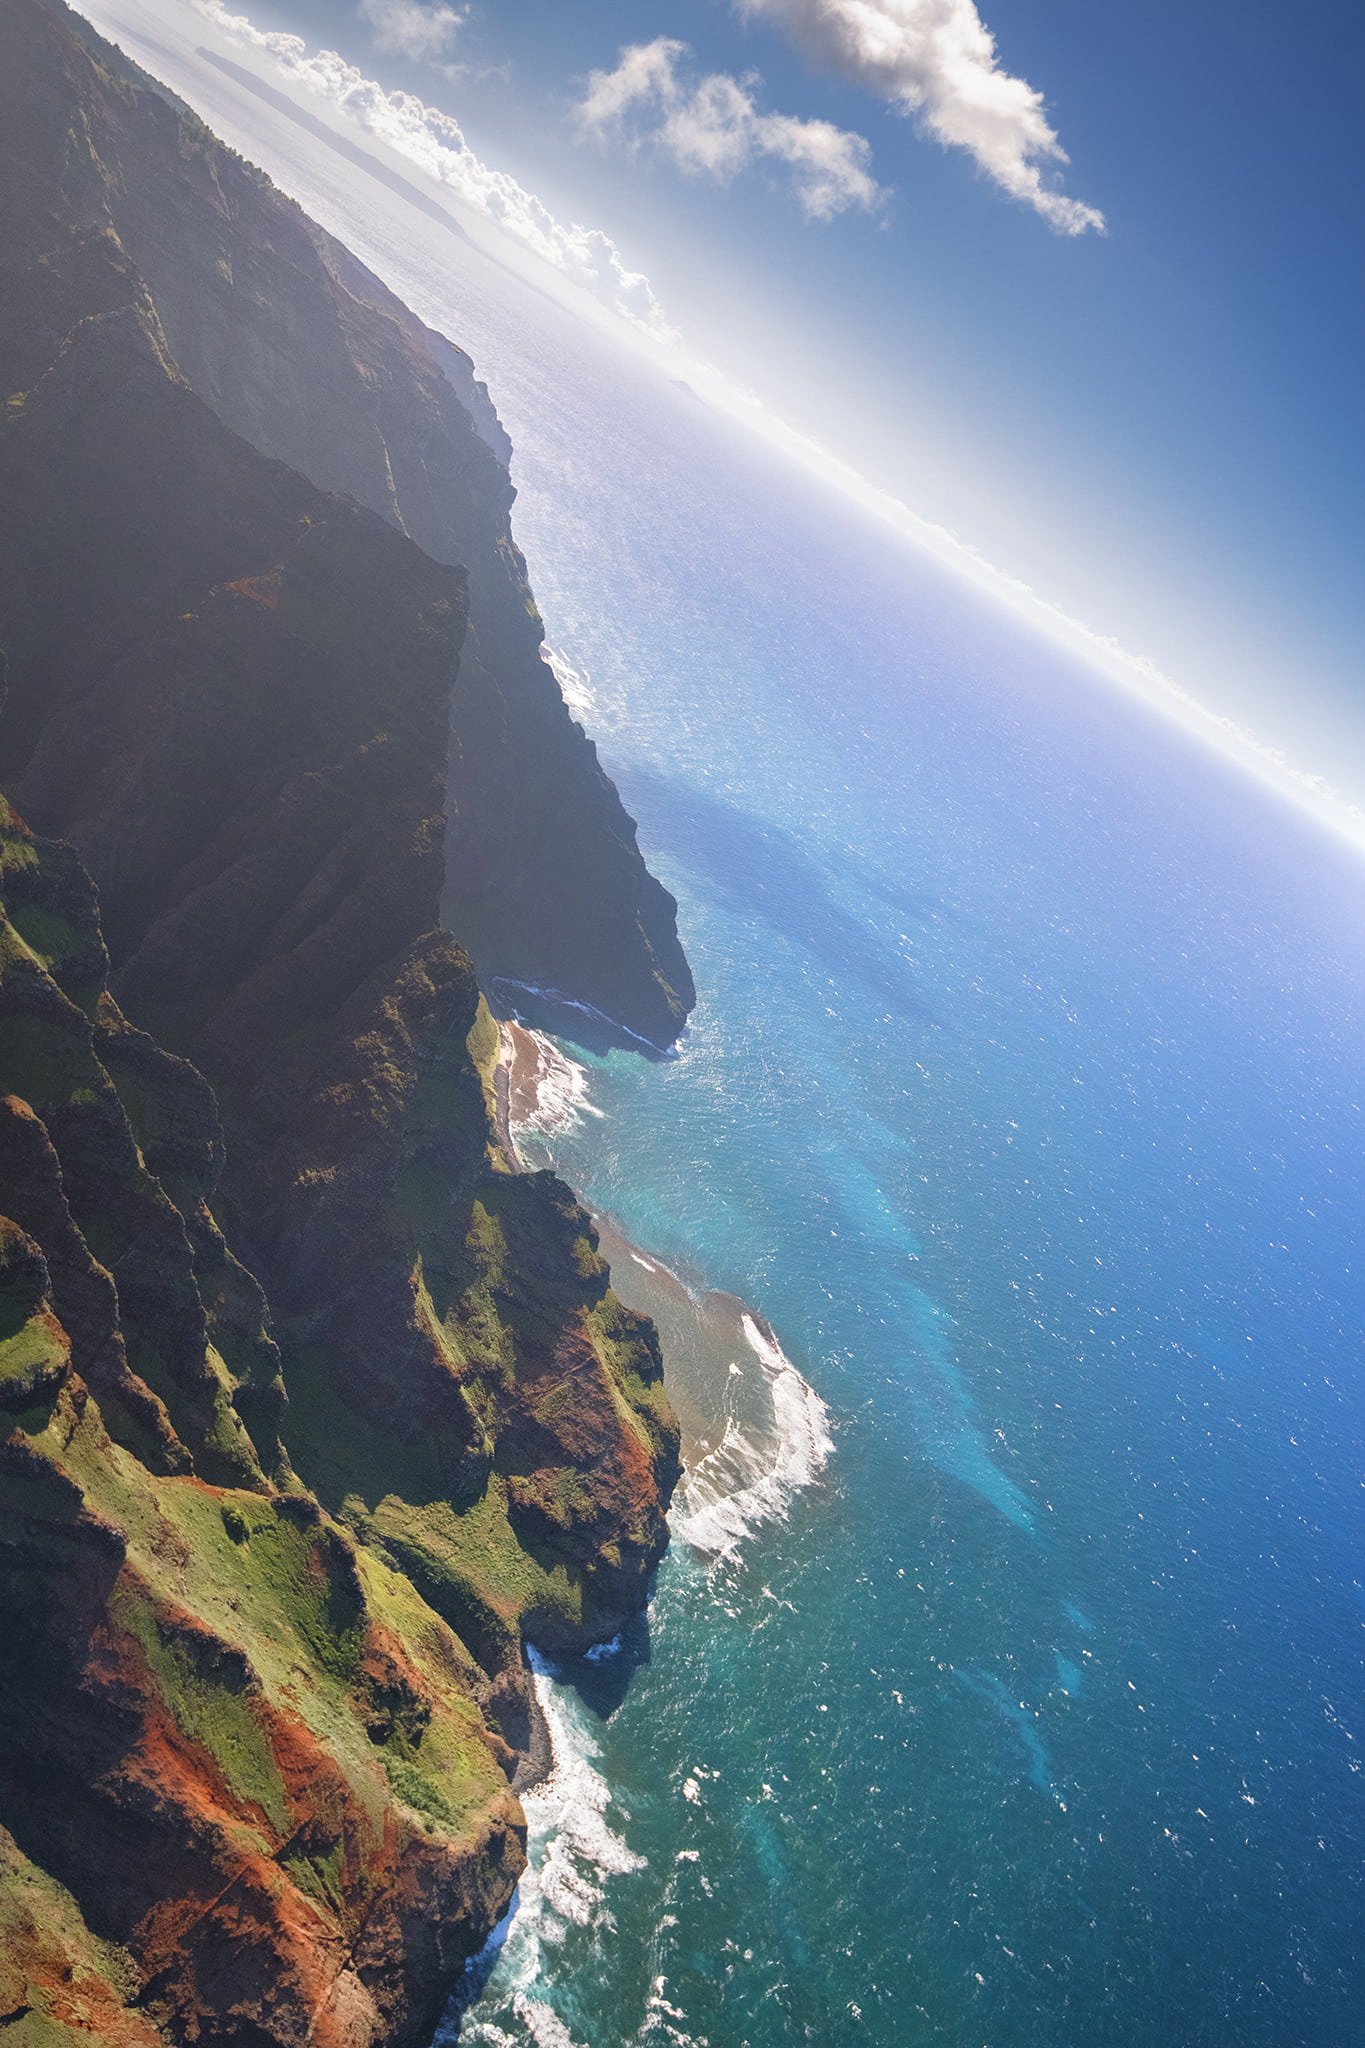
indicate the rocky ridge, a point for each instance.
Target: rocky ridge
{"x":312,"y":1406}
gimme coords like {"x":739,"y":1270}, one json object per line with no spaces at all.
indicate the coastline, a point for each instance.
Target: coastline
{"x":754,"y":1432}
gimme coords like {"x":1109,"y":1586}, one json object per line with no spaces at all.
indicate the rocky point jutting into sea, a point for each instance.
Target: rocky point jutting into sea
{"x":315,"y":1406}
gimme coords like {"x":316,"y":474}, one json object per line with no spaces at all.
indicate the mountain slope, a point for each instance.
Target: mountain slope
{"x":300,"y":350}
{"x":312,"y":1407}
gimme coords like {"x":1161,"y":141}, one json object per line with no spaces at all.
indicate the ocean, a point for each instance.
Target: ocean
{"x":1023,"y":1100}
{"x":1015,"y":1700}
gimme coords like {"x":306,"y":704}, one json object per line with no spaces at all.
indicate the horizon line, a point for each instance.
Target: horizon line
{"x":664,"y":345}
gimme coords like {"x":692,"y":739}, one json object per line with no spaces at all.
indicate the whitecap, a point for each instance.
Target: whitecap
{"x":566,"y":1816}
{"x":572,"y":1852}
{"x":543,"y":2023}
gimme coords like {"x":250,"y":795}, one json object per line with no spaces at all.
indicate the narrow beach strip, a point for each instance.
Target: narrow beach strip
{"x":754,"y":1431}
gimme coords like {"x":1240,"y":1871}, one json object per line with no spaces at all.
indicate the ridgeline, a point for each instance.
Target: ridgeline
{"x":313,"y":1408}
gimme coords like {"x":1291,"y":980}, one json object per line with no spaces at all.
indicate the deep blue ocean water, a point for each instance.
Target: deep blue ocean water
{"x":1023,"y":1098}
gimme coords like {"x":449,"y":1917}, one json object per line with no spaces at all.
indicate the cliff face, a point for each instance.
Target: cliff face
{"x":298,"y":349}
{"x":234,"y":1743}
{"x":311,"y":1407}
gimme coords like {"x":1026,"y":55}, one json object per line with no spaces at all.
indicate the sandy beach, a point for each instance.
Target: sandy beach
{"x":753,"y":1430}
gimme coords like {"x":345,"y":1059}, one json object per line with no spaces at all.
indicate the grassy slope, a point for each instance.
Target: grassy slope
{"x":263,"y":1685}
{"x":226,"y":1709}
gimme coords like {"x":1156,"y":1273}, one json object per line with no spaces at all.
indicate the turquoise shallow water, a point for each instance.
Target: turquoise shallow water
{"x":1023,"y":1097}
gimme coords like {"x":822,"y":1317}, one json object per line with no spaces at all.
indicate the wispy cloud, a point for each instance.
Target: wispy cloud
{"x":714,"y":127}
{"x":410,"y":30}
{"x":936,"y":59}
{"x":435,"y":143}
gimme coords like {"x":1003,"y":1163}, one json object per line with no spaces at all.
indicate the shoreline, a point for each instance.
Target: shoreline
{"x":754,"y":1432}
{"x":701,"y":1330}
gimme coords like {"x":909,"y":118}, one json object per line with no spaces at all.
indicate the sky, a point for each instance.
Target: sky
{"x":1080,"y":284}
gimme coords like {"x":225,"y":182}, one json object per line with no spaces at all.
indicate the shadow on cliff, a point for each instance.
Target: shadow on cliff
{"x":757,"y":869}
{"x":602,"y":1675}
{"x":474,"y":1981}
{"x":542,"y":1008}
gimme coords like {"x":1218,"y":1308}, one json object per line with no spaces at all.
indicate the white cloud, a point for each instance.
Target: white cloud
{"x":434,"y":142}
{"x":936,"y":59}
{"x":716,"y":128}
{"x":593,"y":260}
{"x":410,"y":30}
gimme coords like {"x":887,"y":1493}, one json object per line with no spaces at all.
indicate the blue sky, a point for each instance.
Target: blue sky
{"x":1157,"y":427}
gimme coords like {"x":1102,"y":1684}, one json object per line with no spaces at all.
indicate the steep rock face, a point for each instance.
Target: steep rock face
{"x":254,"y":1761}
{"x":311,"y":1407}
{"x":231,"y":1743}
{"x":245,"y":745}
{"x":295,"y":346}
{"x":154,"y":1341}
{"x":57,"y":1980}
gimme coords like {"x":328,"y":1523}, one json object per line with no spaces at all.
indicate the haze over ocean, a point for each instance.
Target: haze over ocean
{"x":1023,"y":1098}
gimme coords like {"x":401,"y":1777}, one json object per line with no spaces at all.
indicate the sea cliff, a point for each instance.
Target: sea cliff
{"x":314,"y":1406}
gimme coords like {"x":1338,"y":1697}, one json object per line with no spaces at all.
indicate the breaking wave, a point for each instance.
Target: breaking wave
{"x":553,"y":1098}
{"x":751,"y":1476}
{"x":505,"y":990}
{"x":567,"y":1813}
{"x":573,"y":1850}
{"x":573,"y":683}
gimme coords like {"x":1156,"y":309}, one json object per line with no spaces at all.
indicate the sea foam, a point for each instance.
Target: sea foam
{"x":750,"y":1477}
{"x":573,"y":682}
{"x":505,"y":991}
{"x":552,"y":1097}
{"x":572,"y":1851}
{"x":543,"y":2023}
{"x":566,"y":1813}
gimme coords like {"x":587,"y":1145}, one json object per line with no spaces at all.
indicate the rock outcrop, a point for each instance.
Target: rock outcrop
{"x":312,"y":1406}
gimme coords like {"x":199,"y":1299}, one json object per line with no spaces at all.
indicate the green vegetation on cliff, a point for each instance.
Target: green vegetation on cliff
{"x":311,"y":1406}
{"x":265,"y":1654}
